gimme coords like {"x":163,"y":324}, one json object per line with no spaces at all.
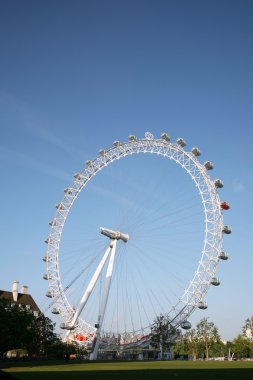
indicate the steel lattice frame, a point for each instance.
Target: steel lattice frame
{"x":213,"y":225}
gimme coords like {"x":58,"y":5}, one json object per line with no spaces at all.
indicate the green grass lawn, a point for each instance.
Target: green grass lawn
{"x":176,"y":370}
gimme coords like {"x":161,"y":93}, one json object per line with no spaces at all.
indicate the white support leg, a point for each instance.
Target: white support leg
{"x":89,"y":289}
{"x":104,"y":300}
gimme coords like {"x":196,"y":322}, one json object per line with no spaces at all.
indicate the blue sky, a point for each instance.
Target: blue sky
{"x":75,"y":76}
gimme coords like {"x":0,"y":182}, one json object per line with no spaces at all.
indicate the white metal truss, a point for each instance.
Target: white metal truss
{"x":213,"y":234}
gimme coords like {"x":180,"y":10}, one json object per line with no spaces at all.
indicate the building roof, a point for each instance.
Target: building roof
{"x":23,"y":299}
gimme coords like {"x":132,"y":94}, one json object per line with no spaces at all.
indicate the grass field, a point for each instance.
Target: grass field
{"x":176,"y":370}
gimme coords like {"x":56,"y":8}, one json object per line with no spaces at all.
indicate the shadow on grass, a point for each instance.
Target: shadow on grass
{"x":149,"y":374}
{"x":6,"y":376}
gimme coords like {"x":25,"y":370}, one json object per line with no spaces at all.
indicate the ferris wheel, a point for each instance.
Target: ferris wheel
{"x":108,"y":261}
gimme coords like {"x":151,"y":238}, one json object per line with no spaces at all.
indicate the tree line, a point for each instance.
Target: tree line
{"x":21,"y":329}
{"x":201,"y":342}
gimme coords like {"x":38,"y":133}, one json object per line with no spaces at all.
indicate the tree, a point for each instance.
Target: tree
{"x":242,"y":347}
{"x":248,"y":328}
{"x":41,"y":335}
{"x":181,"y":347}
{"x":187,"y":345}
{"x":162,"y":334}
{"x":192,"y":340}
{"x":20,"y":328}
{"x":207,"y":334}
{"x":13,"y":327}
{"x":219,"y":349}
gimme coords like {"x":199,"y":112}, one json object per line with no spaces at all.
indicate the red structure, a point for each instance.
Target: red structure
{"x":224,"y":206}
{"x":80,"y":338}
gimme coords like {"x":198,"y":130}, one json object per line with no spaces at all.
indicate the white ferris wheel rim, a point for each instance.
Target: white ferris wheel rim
{"x":208,"y":262}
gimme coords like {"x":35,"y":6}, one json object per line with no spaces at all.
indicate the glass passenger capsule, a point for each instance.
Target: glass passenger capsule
{"x":55,"y":311}
{"x":218,"y":183}
{"x":186,"y":325}
{"x":223,"y":256}
{"x":208,"y":165}
{"x":196,"y":151}
{"x":181,"y":142}
{"x":88,"y":163}
{"x":202,"y":305}
{"x":165,"y":137}
{"x":226,"y":230}
{"x":78,"y":176}
{"x":65,"y":326}
{"x":215,"y":281}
